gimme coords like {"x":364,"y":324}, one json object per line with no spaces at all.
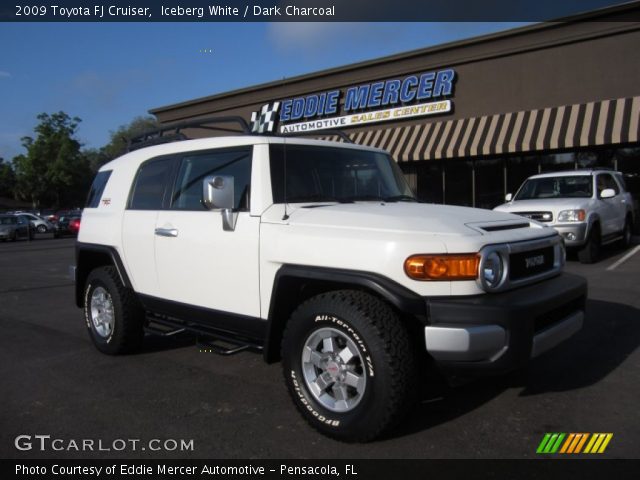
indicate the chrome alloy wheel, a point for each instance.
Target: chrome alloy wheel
{"x":333,"y":369}
{"x":102,"y":314}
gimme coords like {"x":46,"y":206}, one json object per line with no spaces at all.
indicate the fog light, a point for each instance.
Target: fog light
{"x":570,"y":236}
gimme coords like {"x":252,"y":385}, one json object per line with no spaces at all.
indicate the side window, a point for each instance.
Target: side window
{"x":622,"y":182}
{"x":606,"y":181}
{"x":187,"y":192}
{"x":97,"y":188}
{"x":149,"y":185}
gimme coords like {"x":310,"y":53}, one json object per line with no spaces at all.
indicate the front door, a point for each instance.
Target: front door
{"x":198,"y":263}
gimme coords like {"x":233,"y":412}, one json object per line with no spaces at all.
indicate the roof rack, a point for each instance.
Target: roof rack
{"x":323,"y":133}
{"x":172,"y":132}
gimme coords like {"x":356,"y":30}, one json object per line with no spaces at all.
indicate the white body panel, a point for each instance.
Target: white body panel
{"x":234,"y":271}
{"x":207,"y":267}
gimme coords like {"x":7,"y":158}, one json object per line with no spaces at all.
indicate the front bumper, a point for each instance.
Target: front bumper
{"x":495,"y":333}
{"x":574,"y":234}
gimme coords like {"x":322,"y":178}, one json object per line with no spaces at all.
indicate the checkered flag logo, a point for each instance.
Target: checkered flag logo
{"x":264,"y":121}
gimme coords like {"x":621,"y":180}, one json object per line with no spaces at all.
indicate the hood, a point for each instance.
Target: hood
{"x":400,"y":217}
{"x":543,"y":204}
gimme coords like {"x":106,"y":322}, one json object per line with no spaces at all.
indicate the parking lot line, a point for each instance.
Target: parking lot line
{"x":624,"y":259}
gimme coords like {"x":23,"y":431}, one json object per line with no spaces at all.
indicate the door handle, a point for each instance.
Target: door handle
{"x":166,"y":232}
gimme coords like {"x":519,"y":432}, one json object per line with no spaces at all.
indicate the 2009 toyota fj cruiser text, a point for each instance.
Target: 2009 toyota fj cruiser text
{"x":317,"y":253}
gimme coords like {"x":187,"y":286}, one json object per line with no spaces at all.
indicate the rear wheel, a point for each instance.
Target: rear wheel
{"x":348,"y":364}
{"x":627,"y":232}
{"x":591,"y":250}
{"x":42,"y":229}
{"x":114,"y":317}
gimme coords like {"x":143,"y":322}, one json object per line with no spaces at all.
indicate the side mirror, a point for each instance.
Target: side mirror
{"x":608,"y":193}
{"x":508,"y":197}
{"x":218,"y":193}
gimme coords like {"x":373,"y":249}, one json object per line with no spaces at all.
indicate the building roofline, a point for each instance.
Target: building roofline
{"x":513,"y":32}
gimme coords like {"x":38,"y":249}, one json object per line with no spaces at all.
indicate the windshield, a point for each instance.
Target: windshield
{"x":579,"y":186}
{"x":321,"y":174}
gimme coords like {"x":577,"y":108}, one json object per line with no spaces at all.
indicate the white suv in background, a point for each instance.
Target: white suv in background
{"x":588,"y":208}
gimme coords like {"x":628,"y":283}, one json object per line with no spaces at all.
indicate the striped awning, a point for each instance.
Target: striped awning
{"x":580,"y":125}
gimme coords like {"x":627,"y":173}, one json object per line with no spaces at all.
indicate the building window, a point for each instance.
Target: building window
{"x":518,"y":170}
{"x":489,"y":178}
{"x":429,"y":180}
{"x":557,"y":162}
{"x":458,"y":182}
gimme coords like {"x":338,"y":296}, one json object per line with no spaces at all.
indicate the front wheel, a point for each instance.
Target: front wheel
{"x":41,"y":228}
{"x":590,"y":252}
{"x":112,"y":313}
{"x":348,"y":364}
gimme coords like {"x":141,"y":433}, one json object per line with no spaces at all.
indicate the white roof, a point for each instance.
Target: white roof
{"x":572,"y":173}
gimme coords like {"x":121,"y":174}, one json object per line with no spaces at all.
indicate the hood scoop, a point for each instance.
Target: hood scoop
{"x":513,"y":226}
{"x":499,"y":226}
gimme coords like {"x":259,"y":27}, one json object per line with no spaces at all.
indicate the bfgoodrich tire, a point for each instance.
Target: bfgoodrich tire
{"x":349,"y":365}
{"x":114,"y":317}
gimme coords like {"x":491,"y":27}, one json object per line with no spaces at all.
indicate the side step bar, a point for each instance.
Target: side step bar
{"x":208,"y":339}
{"x":221,"y":347}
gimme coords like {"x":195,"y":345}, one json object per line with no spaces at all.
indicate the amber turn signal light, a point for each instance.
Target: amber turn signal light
{"x":442,"y":267}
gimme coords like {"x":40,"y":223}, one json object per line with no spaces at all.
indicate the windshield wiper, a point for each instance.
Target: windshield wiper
{"x":400,"y":198}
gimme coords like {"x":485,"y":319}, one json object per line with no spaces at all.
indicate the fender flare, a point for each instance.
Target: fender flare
{"x":295,"y":283}
{"x":82,"y":270}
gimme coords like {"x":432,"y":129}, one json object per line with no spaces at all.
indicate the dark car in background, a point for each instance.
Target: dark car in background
{"x":67,"y":225}
{"x":13,"y":227}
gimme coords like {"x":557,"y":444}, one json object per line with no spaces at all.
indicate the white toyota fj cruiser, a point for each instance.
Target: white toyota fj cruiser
{"x":317,"y":253}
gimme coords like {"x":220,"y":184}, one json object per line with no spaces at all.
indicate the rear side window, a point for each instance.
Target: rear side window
{"x":187,"y":193}
{"x":149,"y":185}
{"x":97,"y":188}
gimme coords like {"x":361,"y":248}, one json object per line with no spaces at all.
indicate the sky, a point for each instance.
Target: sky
{"x":109,"y":73}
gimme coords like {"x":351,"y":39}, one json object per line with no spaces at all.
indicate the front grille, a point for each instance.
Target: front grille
{"x":548,"y":319}
{"x":538,"y":216}
{"x":530,"y":263}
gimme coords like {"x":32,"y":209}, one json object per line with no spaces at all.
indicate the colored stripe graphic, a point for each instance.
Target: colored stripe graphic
{"x":550,"y":443}
{"x":598,"y":442}
{"x":574,"y":443}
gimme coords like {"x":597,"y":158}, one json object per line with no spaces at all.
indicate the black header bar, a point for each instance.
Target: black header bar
{"x":581,"y":469}
{"x":303,"y":10}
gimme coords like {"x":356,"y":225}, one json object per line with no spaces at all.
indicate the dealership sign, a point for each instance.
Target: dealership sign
{"x":395,"y":99}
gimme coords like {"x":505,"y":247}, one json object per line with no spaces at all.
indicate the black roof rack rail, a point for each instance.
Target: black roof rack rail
{"x":321,"y":133}
{"x":171,"y":131}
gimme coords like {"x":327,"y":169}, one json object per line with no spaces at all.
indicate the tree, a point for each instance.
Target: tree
{"x":7,"y":179}
{"x":120,"y":138}
{"x":53,"y":170}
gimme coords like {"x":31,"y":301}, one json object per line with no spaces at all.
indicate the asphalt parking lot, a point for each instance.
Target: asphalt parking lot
{"x":54,"y":382}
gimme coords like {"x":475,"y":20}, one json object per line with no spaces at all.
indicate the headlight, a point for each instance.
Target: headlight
{"x":572,"y":216}
{"x":492,"y":270}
